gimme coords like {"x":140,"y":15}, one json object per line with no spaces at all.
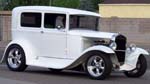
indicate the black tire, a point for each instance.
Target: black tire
{"x":21,"y":56}
{"x":139,"y":70}
{"x":105,"y":66}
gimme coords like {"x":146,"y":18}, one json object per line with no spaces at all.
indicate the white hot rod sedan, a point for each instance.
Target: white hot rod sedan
{"x":62,"y":38}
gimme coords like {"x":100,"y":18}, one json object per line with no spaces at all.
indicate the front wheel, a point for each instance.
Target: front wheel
{"x":98,"y":66}
{"x":15,"y":58}
{"x":140,"y":68}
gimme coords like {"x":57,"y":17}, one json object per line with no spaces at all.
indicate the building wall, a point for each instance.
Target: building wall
{"x":5,"y":25}
{"x":125,"y":10}
{"x":125,"y":1}
{"x":132,"y":20}
{"x":137,"y":30}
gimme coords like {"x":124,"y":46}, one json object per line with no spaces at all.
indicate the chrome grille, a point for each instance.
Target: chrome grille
{"x":121,"y":46}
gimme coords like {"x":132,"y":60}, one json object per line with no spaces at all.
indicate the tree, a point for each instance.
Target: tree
{"x":3,"y":3}
{"x":95,"y":4}
{"x":14,"y":3}
{"x":86,"y":5}
{"x":90,"y":5}
{"x":65,"y":3}
{"x":61,"y":3}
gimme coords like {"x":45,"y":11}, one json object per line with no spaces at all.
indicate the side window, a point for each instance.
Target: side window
{"x":54,"y":20}
{"x":31,"y":19}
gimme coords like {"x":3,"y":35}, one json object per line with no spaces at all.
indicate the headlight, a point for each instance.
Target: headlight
{"x":132,"y":47}
{"x":113,"y":45}
{"x":113,"y":38}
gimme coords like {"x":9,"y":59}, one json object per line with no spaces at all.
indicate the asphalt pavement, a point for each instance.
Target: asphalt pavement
{"x":36,"y":75}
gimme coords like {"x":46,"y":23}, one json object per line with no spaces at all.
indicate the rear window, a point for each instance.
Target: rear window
{"x":31,"y":19}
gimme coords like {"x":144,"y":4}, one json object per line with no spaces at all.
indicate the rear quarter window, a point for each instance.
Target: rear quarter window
{"x":31,"y":19}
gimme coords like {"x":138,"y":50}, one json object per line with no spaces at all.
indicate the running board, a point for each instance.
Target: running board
{"x":126,"y":67}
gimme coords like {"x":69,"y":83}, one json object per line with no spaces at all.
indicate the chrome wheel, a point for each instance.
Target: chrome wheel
{"x":96,"y":66}
{"x":14,"y":58}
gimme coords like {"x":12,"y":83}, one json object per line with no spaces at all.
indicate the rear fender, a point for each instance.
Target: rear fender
{"x":26,"y":46}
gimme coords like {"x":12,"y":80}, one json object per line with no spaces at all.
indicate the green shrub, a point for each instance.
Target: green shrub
{"x":66,"y":3}
{"x":91,"y":5}
{"x":14,"y":3}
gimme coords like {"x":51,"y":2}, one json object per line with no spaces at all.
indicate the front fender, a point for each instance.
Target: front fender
{"x":100,"y":48}
{"x":26,"y":46}
{"x":84,"y":55}
{"x":131,"y":58}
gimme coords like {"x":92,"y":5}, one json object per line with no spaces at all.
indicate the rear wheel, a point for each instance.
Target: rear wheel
{"x":140,"y":68}
{"x":98,"y":66}
{"x":15,"y":58}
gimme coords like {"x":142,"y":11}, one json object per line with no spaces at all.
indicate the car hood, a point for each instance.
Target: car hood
{"x":93,"y":34}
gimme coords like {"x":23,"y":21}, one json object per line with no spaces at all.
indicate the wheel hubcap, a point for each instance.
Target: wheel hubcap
{"x":96,"y":66}
{"x":14,"y":58}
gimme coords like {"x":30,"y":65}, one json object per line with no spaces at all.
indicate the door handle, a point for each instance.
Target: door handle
{"x":42,"y":32}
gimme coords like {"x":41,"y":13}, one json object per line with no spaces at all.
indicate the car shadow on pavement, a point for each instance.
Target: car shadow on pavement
{"x":72,"y":74}
{"x":65,"y":73}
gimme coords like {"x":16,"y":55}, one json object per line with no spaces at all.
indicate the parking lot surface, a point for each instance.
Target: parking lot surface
{"x":36,"y":75}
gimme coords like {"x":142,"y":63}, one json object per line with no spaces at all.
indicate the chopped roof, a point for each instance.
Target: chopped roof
{"x":57,"y":9}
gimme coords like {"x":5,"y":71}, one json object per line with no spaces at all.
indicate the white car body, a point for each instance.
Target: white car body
{"x":62,"y":48}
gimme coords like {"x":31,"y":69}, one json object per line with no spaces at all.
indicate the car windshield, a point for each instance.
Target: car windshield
{"x":84,"y":22}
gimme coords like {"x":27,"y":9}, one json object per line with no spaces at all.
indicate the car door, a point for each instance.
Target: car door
{"x":54,"y":36}
{"x":30,"y":27}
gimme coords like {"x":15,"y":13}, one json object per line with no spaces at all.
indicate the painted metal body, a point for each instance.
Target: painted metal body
{"x":60,"y":48}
